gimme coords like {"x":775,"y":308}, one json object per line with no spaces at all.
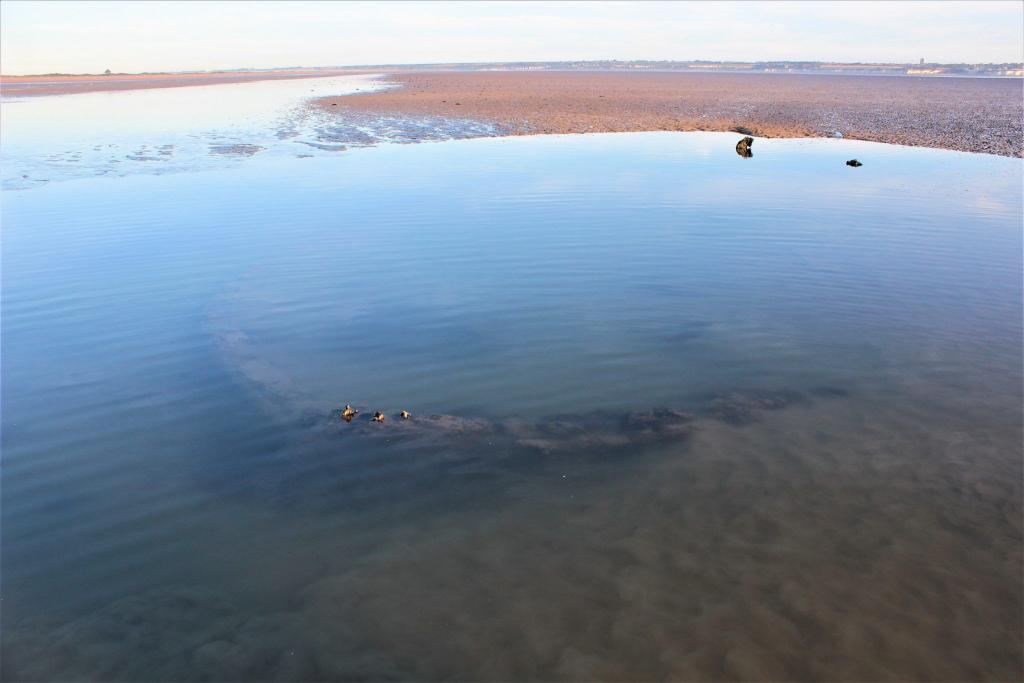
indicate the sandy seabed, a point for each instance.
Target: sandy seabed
{"x":792,"y":549}
{"x":851,"y":537}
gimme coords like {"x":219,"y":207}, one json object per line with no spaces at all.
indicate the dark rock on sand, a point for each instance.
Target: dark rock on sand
{"x":742,"y":130}
{"x":743,"y":147}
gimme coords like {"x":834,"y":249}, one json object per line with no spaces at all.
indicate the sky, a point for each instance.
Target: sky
{"x":89,"y":37}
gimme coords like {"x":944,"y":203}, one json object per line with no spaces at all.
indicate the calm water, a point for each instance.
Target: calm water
{"x":676,"y":414}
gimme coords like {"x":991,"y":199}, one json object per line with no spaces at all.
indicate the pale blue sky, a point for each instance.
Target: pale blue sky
{"x":40,"y":37}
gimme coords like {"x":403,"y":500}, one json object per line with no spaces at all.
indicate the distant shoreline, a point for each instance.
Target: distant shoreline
{"x":59,"y":84}
{"x":967,"y":114}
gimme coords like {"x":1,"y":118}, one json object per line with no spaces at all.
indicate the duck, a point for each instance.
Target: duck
{"x":854,"y":163}
{"x":405,"y":414}
{"x":348,"y":413}
{"x":378,"y":416}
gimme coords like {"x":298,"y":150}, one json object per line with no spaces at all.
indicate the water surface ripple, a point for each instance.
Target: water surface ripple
{"x":695,"y":417}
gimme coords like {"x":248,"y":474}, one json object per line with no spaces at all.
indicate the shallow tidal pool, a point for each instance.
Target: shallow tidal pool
{"x":676,"y":414}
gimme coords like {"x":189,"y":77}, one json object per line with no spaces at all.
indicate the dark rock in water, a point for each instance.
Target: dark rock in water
{"x":743,"y":147}
{"x":742,"y":130}
{"x":854,"y":163}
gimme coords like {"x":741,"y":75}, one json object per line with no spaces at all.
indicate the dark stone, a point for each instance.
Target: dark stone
{"x":743,"y":147}
{"x":854,"y":163}
{"x":742,"y":130}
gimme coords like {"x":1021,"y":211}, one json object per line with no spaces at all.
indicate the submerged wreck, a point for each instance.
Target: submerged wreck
{"x":596,"y":431}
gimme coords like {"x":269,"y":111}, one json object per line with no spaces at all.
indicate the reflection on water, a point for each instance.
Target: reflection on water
{"x":47,"y":139}
{"x":676,"y":414}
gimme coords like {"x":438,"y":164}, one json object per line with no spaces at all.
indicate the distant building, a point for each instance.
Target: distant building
{"x":922,"y":60}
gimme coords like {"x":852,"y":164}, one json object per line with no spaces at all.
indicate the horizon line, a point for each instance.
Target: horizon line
{"x":516,"y":62}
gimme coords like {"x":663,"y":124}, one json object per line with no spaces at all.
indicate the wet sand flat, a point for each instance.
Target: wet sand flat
{"x":967,"y":114}
{"x":20,"y":86}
